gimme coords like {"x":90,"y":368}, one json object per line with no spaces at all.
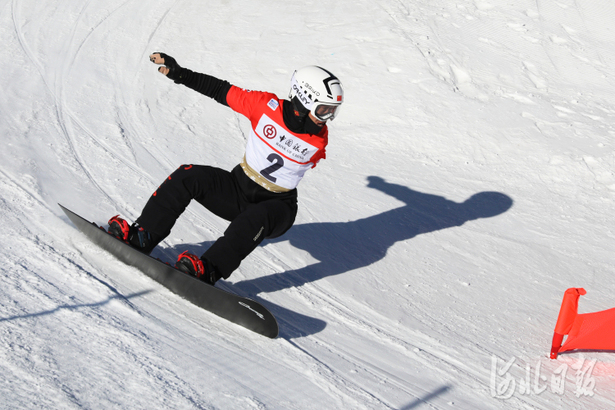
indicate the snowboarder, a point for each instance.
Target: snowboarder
{"x":259,"y":196}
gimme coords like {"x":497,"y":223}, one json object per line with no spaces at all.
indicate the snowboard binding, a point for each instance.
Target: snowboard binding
{"x":195,"y":266}
{"x":119,"y":228}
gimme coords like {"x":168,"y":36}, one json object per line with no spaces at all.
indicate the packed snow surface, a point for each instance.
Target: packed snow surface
{"x":469,"y":182}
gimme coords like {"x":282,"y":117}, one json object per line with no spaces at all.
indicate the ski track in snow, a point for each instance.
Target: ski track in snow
{"x":447,"y":100}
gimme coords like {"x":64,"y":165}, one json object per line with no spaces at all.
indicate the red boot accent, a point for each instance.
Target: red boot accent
{"x":189,"y":263}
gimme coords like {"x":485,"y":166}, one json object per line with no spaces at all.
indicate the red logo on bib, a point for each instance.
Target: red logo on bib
{"x":269,"y":131}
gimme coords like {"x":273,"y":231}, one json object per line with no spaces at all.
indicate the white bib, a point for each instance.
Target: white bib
{"x":277,"y":155}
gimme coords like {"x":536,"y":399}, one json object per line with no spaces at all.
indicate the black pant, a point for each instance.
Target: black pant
{"x":255,"y":213}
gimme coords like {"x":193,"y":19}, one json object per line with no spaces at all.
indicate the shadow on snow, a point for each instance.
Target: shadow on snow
{"x":345,"y":246}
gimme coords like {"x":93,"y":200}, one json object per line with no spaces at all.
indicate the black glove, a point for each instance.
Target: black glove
{"x":169,"y":62}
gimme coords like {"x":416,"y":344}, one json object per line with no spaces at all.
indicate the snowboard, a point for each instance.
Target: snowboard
{"x":234,"y":308}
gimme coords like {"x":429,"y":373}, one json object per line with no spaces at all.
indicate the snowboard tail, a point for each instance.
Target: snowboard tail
{"x":234,"y":308}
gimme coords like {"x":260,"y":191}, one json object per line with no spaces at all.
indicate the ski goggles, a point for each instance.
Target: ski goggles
{"x":323,"y":111}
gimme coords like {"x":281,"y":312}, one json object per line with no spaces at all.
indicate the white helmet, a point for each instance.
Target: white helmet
{"x":319,"y":91}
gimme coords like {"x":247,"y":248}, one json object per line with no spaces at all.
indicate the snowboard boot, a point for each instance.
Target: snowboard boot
{"x":134,"y":235}
{"x":200,"y":268}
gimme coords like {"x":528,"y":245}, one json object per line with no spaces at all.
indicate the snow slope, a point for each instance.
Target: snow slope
{"x":469,"y":182}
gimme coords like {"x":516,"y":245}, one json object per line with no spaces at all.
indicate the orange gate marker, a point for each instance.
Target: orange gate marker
{"x":587,"y":331}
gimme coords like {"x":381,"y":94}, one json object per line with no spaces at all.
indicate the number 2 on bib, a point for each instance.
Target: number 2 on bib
{"x":277,"y":163}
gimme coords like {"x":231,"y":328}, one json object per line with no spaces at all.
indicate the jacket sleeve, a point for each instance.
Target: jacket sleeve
{"x":203,"y":83}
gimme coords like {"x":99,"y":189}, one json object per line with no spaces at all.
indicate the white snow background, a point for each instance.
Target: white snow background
{"x":397,"y":288}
